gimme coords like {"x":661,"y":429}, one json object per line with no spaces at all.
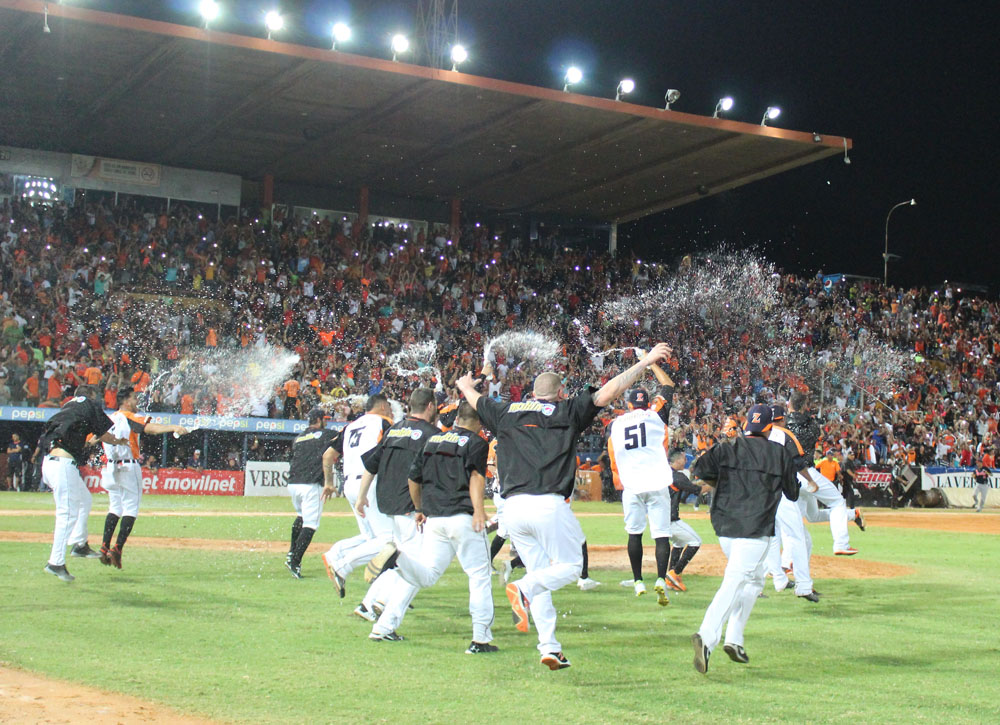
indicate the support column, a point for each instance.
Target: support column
{"x":363,"y":207}
{"x":268,"y":198}
{"x":455,"y":230}
{"x":613,"y":240}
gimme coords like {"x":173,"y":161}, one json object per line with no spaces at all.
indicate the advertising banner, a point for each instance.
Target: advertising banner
{"x":957,"y":485}
{"x":181,"y":481}
{"x":131,"y":172}
{"x":266,"y":478}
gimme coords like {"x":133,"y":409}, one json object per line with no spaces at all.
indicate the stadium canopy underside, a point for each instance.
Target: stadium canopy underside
{"x":123,"y":87}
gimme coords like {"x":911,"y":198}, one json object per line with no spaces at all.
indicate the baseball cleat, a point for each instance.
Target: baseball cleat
{"x":736,"y":653}
{"x":661,"y":592}
{"x":701,"y":653}
{"x":295,"y":570}
{"x":365,"y":613}
{"x":59,"y":571}
{"x":116,"y":557}
{"x":519,"y":607}
{"x":587,"y":584}
{"x":849,"y":551}
{"x":377,"y":608}
{"x":639,"y":588}
{"x":105,"y":556}
{"x":382,"y":561}
{"x":627,"y":583}
{"x":338,"y":581}
{"x":555,"y":661}
{"x":505,"y":571}
{"x":674,"y":578}
{"x":480,"y":648}
{"x":83,"y":551}
{"x":812,"y":596}
{"x":859,"y":519}
{"x":492,"y":525}
{"x":387,"y":637}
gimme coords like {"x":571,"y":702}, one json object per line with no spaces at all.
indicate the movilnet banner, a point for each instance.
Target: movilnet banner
{"x":958,"y":486}
{"x":130,"y":172}
{"x":266,"y":478}
{"x":179,"y":481}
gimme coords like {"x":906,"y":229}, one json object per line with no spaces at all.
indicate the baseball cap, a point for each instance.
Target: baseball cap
{"x":316,"y":414}
{"x":777,"y":413}
{"x":637,"y":398}
{"x":758,"y":418}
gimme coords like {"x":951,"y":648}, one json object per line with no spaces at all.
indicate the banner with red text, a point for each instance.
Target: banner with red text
{"x":181,"y":481}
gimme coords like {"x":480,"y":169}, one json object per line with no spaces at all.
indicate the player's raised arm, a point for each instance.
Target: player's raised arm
{"x":615,"y":387}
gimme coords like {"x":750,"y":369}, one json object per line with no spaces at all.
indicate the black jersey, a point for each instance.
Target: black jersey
{"x":391,"y":460}
{"x":681,"y":485}
{"x":444,"y":468}
{"x":750,"y":474}
{"x":68,"y":429}
{"x":806,"y":430}
{"x":307,"y":455}
{"x":539,"y":441}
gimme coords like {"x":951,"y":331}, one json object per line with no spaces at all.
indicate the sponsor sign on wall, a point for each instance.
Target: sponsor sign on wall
{"x":958,"y":486}
{"x":130,"y":172}
{"x":180,"y":481}
{"x":265,"y":478}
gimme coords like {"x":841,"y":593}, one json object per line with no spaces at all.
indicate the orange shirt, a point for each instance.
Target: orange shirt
{"x":187,"y":404}
{"x":140,"y":381}
{"x":828,"y":468}
{"x":55,"y":388}
{"x":32,"y":384}
{"x":292,"y":388}
{"x":92,"y":375}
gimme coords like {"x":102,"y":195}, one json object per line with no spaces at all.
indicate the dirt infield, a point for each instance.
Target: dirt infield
{"x":29,"y":698}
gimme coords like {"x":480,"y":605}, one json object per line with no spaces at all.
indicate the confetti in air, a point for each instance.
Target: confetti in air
{"x":417,"y":359}
{"x":523,"y":347}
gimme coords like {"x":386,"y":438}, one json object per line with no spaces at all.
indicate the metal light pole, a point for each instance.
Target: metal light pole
{"x":885,"y":255}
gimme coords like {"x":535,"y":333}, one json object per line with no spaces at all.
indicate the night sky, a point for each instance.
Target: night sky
{"x":910,"y":82}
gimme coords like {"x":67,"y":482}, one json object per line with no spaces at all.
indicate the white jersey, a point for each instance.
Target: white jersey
{"x":637,"y":449}
{"x":360,"y":437}
{"x":127,"y":426}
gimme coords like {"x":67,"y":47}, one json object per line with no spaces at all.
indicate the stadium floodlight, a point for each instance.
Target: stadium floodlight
{"x":625,"y":86}
{"x":209,"y":10}
{"x":341,"y":34}
{"x":458,"y":55}
{"x":400,"y":44}
{"x":672,"y":95}
{"x":770,"y":114}
{"x":724,"y":104}
{"x":886,"y":256}
{"x":573,"y":76}
{"x":274,"y":22}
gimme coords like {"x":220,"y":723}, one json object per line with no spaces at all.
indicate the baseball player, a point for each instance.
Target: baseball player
{"x":792,"y":540}
{"x":310,"y":472}
{"x":447,"y":482}
{"x":638,"y":440}
{"x":818,"y":488}
{"x":538,"y":438}
{"x":684,"y":542}
{"x":375,"y":528}
{"x":501,"y":536}
{"x":62,"y":442}
{"x":981,"y":476}
{"x":122,"y":474}
{"x":749,"y":476}
{"x":391,"y":460}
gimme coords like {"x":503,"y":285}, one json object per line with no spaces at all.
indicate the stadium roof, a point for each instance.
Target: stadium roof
{"x":126,"y":87}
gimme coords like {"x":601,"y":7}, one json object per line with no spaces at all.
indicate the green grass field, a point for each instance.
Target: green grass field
{"x":231,"y":636}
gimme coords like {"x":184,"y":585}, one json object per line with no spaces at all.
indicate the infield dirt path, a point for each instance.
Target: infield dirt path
{"x":29,"y":698}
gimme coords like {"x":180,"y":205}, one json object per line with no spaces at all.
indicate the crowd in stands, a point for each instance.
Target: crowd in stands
{"x":116,"y":295}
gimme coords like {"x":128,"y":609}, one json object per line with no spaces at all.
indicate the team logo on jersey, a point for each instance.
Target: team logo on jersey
{"x":416,"y":434}
{"x":463,"y":440}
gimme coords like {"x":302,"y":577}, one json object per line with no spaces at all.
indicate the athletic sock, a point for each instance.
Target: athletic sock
{"x":127,"y":523}
{"x":675,"y":555}
{"x":110,"y":522}
{"x":662,"y":556}
{"x":516,"y":562}
{"x":301,"y":544}
{"x":496,"y":545}
{"x":296,"y":530}
{"x":585,"y":571}
{"x":635,"y":555}
{"x":687,"y":556}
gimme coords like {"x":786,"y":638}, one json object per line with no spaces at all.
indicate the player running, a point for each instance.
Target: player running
{"x":684,"y":542}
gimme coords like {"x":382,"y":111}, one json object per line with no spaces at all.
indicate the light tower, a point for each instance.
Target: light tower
{"x":437,"y":31}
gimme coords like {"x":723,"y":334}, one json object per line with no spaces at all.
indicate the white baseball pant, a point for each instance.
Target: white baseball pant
{"x":407,"y":539}
{"x":72,"y":501}
{"x":307,"y":498}
{"x":375,"y":530}
{"x":550,"y":542}
{"x":498,"y":501}
{"x":741,"y":585}
{"x":443,"y":538}
{"x":123,"y":482}
{"x":979,"y":495}
{"x":829,"y":496}
{"x":682,"y":535}
{"x":795,"y":542}
{"x":653,"y":506}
